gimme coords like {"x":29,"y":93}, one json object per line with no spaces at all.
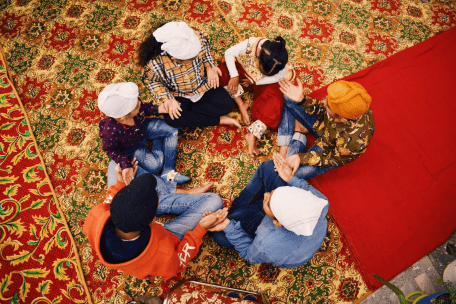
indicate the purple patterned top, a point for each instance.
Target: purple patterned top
{"x":117,"y":137}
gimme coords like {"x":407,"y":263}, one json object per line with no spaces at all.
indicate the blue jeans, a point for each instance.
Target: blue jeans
{"x":247,"y":208}
{"x":292,"y":111}
{"x":162,"y":154}
{"x":188,"y":207}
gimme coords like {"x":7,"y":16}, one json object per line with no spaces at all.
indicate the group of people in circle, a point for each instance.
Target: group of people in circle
{"x":278,"y":218}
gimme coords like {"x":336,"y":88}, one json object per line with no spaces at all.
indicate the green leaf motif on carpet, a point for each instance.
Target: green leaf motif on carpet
{"x":21,"y":57}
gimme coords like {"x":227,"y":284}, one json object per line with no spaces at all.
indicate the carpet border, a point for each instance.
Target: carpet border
{"x":65,"y":223}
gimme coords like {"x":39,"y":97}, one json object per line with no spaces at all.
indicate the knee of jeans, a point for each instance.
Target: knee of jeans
{"x":214,"y":202}
{"x":169,"y":130}
{"x":265,"y":166}
{"x":306,"y":172}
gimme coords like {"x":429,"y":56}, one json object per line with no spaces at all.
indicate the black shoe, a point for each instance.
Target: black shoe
{"x":250,"y":298}
{"x":233,"y":294}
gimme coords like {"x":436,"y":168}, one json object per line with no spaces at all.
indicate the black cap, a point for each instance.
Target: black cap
{"x":134,"y":206}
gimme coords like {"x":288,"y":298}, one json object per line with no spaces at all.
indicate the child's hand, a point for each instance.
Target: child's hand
{"x":246,"y":82}
{"x":127,"y":175}
{"x":124,"y":175}
{"x":163,"y":108}
{"x":174,"y":108}
{"x":294,"y":92}
{"x":294,"y":161}
{"x":212,"y":220}
{"x":233,"y":85}
{"x":282,"y":167}
{"x":213,"y":77}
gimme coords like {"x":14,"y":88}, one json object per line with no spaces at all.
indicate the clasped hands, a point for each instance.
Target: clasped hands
{"x":286,"y":168}
{"x":128,"y":174}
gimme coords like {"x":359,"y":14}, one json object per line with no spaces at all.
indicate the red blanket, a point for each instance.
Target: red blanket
{"x":396,"y":203}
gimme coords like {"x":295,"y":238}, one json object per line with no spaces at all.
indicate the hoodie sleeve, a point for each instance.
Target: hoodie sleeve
{"x":112,"y":192}
{"x":185,"y":251}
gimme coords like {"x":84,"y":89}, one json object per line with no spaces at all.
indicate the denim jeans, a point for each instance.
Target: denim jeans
{"x":188,"y":207}
{"x":247,"y":208}
{"x":162,"y":154}
{"x":292,"y":111}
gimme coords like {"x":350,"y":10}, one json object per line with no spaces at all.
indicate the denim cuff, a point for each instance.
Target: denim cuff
{"x":284,"y":140}
{"x":230,"y":226}
{"x":300,"y":137}
{"x":302,"y":101}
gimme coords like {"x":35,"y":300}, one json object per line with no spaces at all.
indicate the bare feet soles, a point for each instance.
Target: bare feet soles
{"x":198,"y":190}
{"x":245,"y":115}
{"x":253,"y":149}
{"x":300,"y":128}
{"x":225,"y":120}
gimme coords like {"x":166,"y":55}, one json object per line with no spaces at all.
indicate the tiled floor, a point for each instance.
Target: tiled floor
{"x":422,"y":276}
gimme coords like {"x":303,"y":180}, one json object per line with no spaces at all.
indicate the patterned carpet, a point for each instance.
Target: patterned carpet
{"x":62,"y":53}
{"x":39,"y":258}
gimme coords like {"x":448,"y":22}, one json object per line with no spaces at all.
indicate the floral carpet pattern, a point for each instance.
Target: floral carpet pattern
{"x":39,"y":260}
{"x":62,"y":53}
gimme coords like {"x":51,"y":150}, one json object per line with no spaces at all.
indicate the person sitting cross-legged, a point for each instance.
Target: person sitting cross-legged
{"x":130,"y":127}
{"x":342,"y":124}
{"x":123,"y":233}
{"x":278,"y":218}
{"x":180,"y":72}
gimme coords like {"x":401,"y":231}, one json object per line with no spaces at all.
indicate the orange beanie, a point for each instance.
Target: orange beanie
{"x":348,"y":99}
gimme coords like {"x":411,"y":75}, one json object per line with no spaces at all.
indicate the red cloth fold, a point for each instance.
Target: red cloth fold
{"x":396,"y":203}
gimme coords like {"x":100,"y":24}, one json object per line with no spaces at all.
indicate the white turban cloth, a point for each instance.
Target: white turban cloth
{"x":118,"y":99}
{"x":179,"y":40}
{"x":298,"y":210}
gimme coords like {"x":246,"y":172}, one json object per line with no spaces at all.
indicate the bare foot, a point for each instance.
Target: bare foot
{"x":225,"y":120}
{"x":198,"y":190}
{"x":253,"y":149}
{"x":283,"y":151}
{"x":243,"y":107}
{"x":300,"y":128}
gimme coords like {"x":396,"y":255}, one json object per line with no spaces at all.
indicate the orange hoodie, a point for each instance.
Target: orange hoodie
{"x":165,"y":255}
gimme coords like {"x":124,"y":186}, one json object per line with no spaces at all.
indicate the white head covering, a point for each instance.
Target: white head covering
{"x":179,"y":40}
{"x":118,"y":99}
{"x":296,"y":209}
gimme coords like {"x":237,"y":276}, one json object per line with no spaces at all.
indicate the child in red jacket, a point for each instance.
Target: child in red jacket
{"x":125,"y":236}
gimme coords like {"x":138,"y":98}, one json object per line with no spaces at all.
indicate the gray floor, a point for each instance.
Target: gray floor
{"x":422,"y":276}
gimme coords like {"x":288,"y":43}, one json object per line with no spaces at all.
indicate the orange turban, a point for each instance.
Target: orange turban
{"x":348,"y":99}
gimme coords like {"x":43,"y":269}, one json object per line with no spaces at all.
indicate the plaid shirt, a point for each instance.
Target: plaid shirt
{"x":341,"y":142}
{"x":166,"y":78}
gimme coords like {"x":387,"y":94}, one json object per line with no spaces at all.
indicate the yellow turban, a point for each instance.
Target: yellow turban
{"x":348,"y":99}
